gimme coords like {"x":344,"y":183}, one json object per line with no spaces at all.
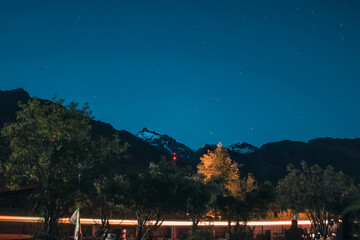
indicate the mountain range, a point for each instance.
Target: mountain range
{"x":267,"y":162}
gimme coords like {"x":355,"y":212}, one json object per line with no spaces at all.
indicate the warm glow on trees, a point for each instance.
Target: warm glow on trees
{"x":218,"y":164}
{"x":234,"y":205}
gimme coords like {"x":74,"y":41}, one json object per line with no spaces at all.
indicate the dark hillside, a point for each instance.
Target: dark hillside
{"x":137,"y":157}
{"x":266,"y":163}
{"x":269,"y":161}
{"x":9,"y":104}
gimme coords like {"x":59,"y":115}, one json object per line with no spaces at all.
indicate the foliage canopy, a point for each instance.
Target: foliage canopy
{"x":321,"y":193}
{"x":233,"y":204}
{"x":50,"y":146}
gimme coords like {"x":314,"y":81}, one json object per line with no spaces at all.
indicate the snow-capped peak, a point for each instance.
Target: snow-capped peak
{"x":165,"y":142}
{"x":242,"y":148}
{"x":147,"y":135}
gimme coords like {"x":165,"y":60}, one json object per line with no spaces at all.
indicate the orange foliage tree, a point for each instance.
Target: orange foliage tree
{"x":233,"y":205}
{"x":218,"y":164}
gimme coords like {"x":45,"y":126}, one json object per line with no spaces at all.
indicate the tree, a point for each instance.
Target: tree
{"x":350,"y":226}
{"x":150,"y":195}
{"x":4,"y":155}
{"x":239,"y":209}
{"x":51,"y":146}
{"x":232,"y":205}
{"x":100,"y":194}
{"x":321,"y":193}
{"x":103,"y":206}
{"x":198,"y":197}
{"x":218,"y":164}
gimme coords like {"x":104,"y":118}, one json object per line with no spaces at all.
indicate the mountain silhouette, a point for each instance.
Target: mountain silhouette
{"x":267,"y":162}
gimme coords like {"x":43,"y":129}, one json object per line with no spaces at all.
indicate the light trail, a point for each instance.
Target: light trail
{"x":90,"y":221}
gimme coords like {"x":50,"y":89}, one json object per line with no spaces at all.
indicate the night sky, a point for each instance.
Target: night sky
{"x":199,"y":71}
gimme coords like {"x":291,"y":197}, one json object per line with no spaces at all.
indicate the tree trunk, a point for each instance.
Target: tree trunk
{"x":140,"y":230}
{"x":230,"y":230}
{"x":49,"y":226}
{"x":148,"y":235}
{"x":194,"y":226}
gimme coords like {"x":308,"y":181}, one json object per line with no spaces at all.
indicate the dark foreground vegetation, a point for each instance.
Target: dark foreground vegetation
{"x":52,"y":148}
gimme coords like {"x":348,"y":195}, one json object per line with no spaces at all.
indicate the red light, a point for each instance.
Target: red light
{"x":174,"y":158}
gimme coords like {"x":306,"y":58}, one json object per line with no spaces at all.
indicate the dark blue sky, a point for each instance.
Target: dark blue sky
{"x":199,"y":71}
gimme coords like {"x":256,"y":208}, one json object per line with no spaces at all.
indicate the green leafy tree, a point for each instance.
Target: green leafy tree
{"x":202,"y":234}
{"x":321,"y":193}
{"x":100,"y":195}
{"x":239,"y":209}
{"x":350,"y":226}
{"x":199,"y":197}
{"x":4,"y":155}
{"x":51,"y":146}
{"x":150,"y":195}
{"x":103,"y":206}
